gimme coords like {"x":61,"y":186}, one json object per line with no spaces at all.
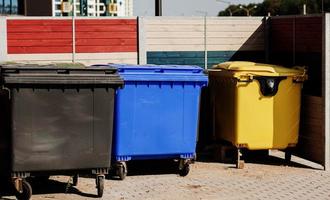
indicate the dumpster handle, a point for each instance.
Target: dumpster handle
{"x":7,"y":89}
{"x":300,"y":79}
{"x":245,"y":79}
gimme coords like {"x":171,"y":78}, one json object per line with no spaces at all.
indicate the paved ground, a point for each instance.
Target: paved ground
{"x":267,"y":180}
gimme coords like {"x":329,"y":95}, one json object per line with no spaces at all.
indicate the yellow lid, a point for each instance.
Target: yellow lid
{"x":259,"y":69}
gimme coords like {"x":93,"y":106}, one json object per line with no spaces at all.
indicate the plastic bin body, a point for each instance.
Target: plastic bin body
{"x":156,"y":113}
{"x":61,"y":119}
{"x":247,"y":118}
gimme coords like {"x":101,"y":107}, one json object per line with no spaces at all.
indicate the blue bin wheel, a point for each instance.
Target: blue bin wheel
{"x":75,"y":180}
{"x":26,"y":192}
{"x":184,"y":167}
{"x":100,"y":185}
{"x":121,"y":170}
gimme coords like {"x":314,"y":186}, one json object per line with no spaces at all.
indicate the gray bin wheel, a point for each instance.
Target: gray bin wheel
{"x":75,"y":180}
{"x":100,"y":185}
{"x":121,"y":170}
{"x":184,"y":167}
{"x":26,"y":191}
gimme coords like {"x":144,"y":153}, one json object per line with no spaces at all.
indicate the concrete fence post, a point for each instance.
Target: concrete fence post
{"x":326,"y":87}
{"x":142,"y":57}
{"x":3,"y":39}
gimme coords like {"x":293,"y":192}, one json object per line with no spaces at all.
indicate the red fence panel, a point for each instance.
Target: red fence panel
{"x":39,"y":36}
{"x":33,"y":36}
{"x":106,"y":35}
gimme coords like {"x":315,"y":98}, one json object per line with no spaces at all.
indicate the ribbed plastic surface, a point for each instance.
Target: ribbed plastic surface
{"x":156,"y":113}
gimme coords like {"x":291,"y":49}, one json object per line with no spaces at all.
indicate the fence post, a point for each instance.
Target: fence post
{"x":326,"y":87}
{"x":3,"y":39}
{"x":142,"y":58}
{"x":205,"y":43}
{"x":74,"y":31}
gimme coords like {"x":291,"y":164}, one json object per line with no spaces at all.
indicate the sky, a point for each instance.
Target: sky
{"x":185,"y":7}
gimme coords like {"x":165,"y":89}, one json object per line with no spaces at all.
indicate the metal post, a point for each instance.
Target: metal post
{"x":205,"y":42}
{"x":158,"y":8}
{"x":304,"y":9}
{"x":230,"y":12}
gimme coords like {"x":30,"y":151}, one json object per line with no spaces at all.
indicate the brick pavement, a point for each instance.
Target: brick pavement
{"x":205,"y":181}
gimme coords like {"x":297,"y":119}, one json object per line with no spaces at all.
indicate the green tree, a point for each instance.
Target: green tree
{"x":279,"y":7}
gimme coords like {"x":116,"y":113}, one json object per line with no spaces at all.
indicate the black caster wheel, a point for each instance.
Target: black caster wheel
{"x":26,"y":192}
{"x":121,"y":171}
{"x":184,"y":167}
{"x":185,"y":170}
{"x":100,"y":185}
{"x":75,"y":180}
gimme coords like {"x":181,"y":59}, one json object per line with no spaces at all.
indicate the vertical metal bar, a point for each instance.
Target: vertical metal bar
{"x":74,"y":31}
{"x":205,"y":43}
{"x":326,"y":88}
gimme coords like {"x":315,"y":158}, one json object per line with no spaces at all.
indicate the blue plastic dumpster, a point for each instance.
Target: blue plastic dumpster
{"x":156,"y":114}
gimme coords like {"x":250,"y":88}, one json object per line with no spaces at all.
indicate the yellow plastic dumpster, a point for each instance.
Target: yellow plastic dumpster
{"x":256,"y":106}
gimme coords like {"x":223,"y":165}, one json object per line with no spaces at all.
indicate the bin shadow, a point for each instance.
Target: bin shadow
{"x":264,"y":157}
{"x":5,"y":188}
{"x":43,"y":187}
{"x":150,"y":167}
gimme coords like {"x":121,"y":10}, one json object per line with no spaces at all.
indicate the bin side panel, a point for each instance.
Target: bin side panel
{"x":54,"y":130}
{"x":5,"y":138}
{"x":192,"y":93}
{"x":151,"y":120}
{"x":287,"y":114}
{"x":223,"y":97}
{"x":103,"y":125}
{"x":254,"y":117}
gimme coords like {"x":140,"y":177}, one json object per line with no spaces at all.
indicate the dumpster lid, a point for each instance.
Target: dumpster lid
{"x":157,"y":68}
{"x":161,"y":72}
{"x":51,"y":74}
{"x":259,"y":68}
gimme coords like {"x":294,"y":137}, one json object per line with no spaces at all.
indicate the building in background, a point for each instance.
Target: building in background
{"x":91,"y":8}
{"x":11,"y":7}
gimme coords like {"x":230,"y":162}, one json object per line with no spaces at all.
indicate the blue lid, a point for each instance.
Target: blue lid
{"x":161,"y":73}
